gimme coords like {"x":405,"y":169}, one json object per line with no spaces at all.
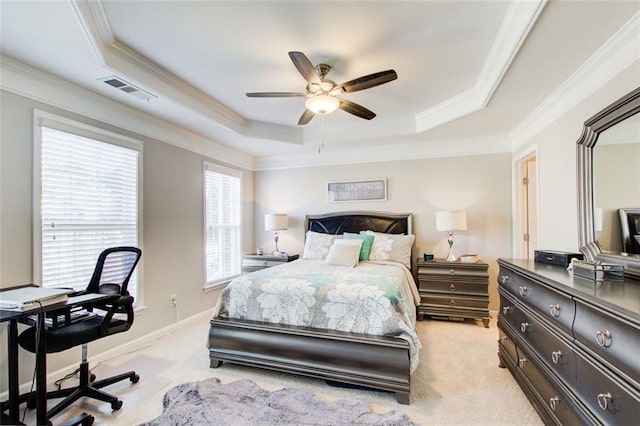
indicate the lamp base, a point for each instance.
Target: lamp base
{"x":451,"y":257}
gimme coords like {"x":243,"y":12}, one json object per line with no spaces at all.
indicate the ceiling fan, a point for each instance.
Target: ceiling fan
{"x":321,"y":93}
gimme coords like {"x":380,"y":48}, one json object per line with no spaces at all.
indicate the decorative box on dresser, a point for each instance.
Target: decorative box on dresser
{"x":453,"y":289}
{"x":255,"y":262}
{"x":572,"y":344}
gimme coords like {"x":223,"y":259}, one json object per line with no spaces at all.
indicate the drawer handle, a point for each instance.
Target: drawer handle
{"x":452,"y":302}
{"x":522,"y":290}
{"x":553,"y":402}
{"x":452,"y":287}
{"x":506,"y":310}
{"x":603,"y":337}
{"x":264,"y":263}
{"x":554,"y":310}
{"x":522,"y":362}
{"x":603,"y":400}
{"x":452,"y":272}
{"x":524,"y":326}
{"x":503,"y":339}
{"x":556,"y":356}
{"x":504,"y":279}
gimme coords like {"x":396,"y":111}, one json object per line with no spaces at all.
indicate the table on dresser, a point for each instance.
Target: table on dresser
{"x":571,"y":343}
{"x":255,"y":262}
{"x":453,"y":289}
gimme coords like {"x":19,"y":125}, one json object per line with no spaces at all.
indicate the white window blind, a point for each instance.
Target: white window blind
{"x":223,"y":223}
{"x":88,"y":202}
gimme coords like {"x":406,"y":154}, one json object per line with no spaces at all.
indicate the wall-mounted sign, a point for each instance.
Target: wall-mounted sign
{"x":357,"y":190}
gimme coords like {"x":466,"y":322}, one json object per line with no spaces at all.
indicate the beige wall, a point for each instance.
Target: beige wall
{"x":480,"y":185}
{"x":172,"y":229}
{"x":556,"y":144}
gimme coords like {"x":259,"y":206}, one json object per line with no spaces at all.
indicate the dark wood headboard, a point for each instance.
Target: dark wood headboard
{"x":356,"y":221}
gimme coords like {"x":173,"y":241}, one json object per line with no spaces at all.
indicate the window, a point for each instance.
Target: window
{"x":222,"y":222}
{"x":86,"y":200}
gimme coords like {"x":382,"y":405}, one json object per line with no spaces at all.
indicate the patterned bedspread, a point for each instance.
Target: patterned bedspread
{"x":376,"y":298}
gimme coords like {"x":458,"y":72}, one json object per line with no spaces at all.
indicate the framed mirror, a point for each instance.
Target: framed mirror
{"x":608,"y":155}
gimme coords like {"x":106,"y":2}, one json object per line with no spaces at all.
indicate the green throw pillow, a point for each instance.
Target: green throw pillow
{"x":367,"y":240}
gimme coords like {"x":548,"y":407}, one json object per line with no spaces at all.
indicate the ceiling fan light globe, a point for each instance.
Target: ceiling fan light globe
{"x":322,"y":104}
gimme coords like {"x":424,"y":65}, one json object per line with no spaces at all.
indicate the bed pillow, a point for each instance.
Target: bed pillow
{"x":344,"y":253}
{"x":367,"y":240}
{"x":395,"y":247}
{"x":316,"y":245}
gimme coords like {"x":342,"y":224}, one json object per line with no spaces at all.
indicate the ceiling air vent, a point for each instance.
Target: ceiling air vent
{"x":123,"y":85}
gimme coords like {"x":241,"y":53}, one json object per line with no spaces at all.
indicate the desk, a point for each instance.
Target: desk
{"x":41,"y":355}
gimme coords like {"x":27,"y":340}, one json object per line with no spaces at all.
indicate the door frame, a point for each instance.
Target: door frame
{"x":519,"y":205}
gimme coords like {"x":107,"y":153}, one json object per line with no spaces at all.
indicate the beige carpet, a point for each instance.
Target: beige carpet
{"x":457,"y":382}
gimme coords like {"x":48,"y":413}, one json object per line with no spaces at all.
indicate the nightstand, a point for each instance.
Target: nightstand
{"x":453,"y":289}
{"x":255,"y":262}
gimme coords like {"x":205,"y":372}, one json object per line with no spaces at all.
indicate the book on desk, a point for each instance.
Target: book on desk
{"x":30,"y":297}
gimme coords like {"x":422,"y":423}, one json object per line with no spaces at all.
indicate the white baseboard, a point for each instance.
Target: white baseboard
{"x":118,"y":350}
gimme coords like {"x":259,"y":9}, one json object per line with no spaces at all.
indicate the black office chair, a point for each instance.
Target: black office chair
{"x":113,"y":270}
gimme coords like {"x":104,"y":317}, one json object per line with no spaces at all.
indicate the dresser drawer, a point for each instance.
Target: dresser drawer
{"x":507,"y":346}
{"x":615,"y":341}
{"x":609,"y":399}
{"x":454,"y":287}
{"x":549,"y":346}
{"x":453,"y":301}
{"x":557,"y":400}
{"x":556,"y":307}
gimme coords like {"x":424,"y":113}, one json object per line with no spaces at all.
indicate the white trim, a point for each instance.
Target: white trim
{"x":514,"y":30}
{"x":616,"y":54}
{"x":120,"y":350}
{"x":40,"y":86}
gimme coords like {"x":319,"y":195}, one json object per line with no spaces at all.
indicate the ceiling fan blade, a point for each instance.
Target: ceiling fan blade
{"x":305,"y":117}
{"x":355,"y":109}
{"x":368,"y":81}
{"x":275,"y":94}
{"x":305,"y":67}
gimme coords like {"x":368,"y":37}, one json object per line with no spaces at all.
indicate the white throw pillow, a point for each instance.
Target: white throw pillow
{"x":395,"y":247}
{"x":316,"y":245}
{"x":344,"y":253}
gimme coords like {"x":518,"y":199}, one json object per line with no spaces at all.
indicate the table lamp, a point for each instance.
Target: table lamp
{"x":275,"y":222}
{"x":449,"y":222}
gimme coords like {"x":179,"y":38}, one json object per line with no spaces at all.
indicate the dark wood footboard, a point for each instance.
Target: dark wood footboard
{"x":357,"y":359}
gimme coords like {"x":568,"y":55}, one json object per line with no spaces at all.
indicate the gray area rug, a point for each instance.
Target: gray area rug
{"x":209,"y":402}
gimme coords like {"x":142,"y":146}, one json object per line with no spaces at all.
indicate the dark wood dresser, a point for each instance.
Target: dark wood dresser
{"x":572,"y":344}
{"x":453,"y":289}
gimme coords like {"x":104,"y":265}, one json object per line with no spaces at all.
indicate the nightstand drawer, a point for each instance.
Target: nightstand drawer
{"x":251,"y":263}
{"x":457,"y":301}
{"x":254,"y":262}
{"x":453,"y":287}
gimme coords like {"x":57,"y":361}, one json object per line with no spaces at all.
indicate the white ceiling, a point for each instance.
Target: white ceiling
{"x":468,"y":71}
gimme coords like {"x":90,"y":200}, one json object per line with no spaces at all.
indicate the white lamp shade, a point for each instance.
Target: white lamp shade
{"x":275,"y":222}
{"x":451,"y":221}
{"x":322,"y":104}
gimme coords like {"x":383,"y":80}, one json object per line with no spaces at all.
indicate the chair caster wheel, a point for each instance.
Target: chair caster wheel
{"x":116,"y":405}
{"x":92,"y":378}
{"x":135,"y":378}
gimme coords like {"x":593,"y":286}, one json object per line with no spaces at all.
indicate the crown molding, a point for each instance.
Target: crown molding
{"x":121,"y":59}
{"x":399,"y":152}
{"x":514,"y":30}
{"x":40,"y":86}
{"x":616,"y":54}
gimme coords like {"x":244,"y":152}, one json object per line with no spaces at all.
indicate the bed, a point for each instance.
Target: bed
{"x":380,"y":357}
